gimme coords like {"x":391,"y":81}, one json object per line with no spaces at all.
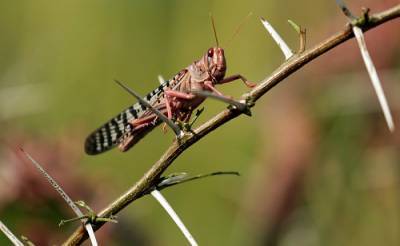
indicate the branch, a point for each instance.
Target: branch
{"x":151,"y":177}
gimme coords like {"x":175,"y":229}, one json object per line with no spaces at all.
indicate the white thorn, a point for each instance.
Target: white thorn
{"x":282,"y":45}
{"x":10,"y":235}
{"x":164,"y":203}
{"x":64,"y":195}
{"x":374,"y":77}
{"x":90,"y":231}
{"x":161,"y":79}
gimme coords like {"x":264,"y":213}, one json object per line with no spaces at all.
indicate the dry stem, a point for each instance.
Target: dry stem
{"x":285,"y":70}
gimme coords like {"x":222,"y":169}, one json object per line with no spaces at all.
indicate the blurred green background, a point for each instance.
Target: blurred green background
{"x":317,"y":164}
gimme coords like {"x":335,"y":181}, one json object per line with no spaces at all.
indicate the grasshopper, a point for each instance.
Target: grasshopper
{"x":173,"y":98}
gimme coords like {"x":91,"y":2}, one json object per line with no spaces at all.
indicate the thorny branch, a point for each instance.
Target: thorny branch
{"x":152,"y":176}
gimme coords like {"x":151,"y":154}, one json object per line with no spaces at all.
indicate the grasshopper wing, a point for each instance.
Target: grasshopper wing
{"x":109,"y":134}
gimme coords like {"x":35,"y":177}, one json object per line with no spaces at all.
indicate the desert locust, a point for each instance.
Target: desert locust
{"x":174,"y":98}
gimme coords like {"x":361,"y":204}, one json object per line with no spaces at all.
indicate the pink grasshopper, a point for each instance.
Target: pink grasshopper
{"x":175,"y":98}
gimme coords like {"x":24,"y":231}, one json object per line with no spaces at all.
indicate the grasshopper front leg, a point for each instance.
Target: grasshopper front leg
{"x":236,"y":77}
{"x":228,"y":99}
{"x":210,"y":85}
{"x":169,"y":95}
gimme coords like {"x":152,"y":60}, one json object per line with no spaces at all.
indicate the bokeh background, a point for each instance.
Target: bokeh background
{"x":318,"y":165}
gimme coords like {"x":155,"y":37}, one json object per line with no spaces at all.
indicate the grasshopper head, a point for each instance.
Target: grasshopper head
{"x":216,"y":63}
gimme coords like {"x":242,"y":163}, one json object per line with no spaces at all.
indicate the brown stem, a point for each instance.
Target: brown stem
{"x":302,"y":37}
{"x":284,"y":71}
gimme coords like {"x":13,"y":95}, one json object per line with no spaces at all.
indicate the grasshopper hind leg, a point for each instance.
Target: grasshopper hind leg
{"x":140,"y":129}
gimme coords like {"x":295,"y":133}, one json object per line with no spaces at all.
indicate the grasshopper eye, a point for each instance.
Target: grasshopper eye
{"x":210,"y":55}
{"x":210,"y":52}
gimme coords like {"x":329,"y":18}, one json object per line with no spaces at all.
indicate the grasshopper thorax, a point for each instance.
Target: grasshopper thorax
{"x":216,"y":63}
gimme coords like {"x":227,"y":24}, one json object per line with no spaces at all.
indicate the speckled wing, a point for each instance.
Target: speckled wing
{"x":109,"y":134}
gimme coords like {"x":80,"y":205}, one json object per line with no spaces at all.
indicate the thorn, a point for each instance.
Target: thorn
{"x":376,"y":83}
{"x":238,"y":105}
{"x":171,"y":178}
{"x":277,"y":38}
{"x":10,"y":235}
{"x":164,"y":203}
{"x":178,"y":132}
{"x":181,"y":178}
{"x":64,"y":195}
{"x":55,"y":185}
{"x":346,"y":11}
{"x":354,"y":21}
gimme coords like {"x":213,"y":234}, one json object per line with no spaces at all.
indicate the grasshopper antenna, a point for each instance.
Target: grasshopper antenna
{"x":239,"y":27}
{"x":215,"y":31}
